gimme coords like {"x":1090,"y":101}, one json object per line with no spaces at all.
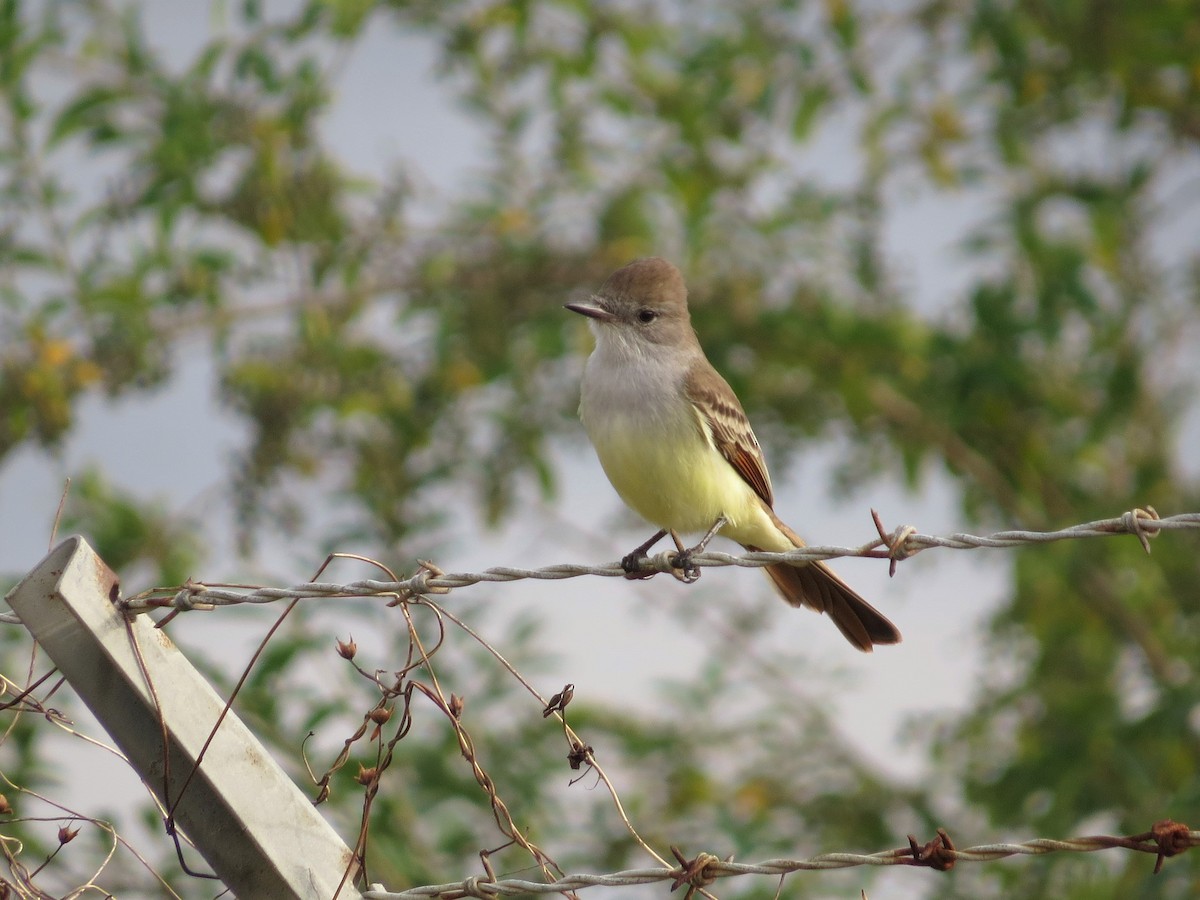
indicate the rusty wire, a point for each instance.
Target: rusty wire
{"x":1165,"y":839}
{"x":899,"y":544}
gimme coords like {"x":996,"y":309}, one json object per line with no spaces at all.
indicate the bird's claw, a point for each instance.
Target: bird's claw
{"x":683,"y":568}
{"x":632,"y":564}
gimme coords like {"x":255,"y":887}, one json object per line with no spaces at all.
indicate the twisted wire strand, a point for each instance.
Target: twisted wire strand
{"x":1173,"y":840}
{"x":900,"y":544}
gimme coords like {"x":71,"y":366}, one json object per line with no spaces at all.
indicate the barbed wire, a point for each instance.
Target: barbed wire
{"x":1165,"y":839}
{"x":900,"y":544}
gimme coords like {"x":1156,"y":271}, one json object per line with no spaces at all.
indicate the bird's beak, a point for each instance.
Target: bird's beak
{"x":591,"y":310}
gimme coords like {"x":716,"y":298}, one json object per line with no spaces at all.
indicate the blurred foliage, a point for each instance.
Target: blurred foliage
{"x":147,"y":199}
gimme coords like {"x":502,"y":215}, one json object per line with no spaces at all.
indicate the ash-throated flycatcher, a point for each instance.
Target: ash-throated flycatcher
{"x":677,"y":446}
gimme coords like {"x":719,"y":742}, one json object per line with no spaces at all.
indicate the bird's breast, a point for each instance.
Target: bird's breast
{"x":654,"y":448}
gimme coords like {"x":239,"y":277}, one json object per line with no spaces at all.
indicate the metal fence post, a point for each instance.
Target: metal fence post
{"x":260,"y":834}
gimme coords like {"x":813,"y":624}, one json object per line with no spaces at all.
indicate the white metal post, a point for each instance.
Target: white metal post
{"x":254,"y":827}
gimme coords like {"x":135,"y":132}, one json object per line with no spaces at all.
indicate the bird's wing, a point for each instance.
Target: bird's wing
{"x":726,"y":426}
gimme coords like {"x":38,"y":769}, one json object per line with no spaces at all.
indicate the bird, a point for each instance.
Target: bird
{"x":678,"y":448}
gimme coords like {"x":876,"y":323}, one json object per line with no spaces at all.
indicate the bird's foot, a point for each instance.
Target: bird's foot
{"x":632,"y":562}
{"x":684,"y":569}
{"x":689,"y":572}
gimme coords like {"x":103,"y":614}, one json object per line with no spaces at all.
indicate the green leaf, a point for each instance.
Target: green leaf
{"x":92,"y":110}
{"x":812,"y":102}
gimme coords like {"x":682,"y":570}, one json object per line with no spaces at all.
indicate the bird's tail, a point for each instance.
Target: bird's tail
{"x":816,"y":586}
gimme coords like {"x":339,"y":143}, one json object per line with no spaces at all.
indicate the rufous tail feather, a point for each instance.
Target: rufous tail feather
{"x":816,"y":586}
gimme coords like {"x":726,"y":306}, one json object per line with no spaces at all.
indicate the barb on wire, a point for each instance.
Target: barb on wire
{"x":902,"y":543}
{"x":1165,"y":839}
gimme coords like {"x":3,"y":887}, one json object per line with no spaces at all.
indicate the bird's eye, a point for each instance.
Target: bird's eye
{"x":646,"y":316}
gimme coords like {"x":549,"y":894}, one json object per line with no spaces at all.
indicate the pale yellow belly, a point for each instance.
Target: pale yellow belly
{"x":669,"y":474}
